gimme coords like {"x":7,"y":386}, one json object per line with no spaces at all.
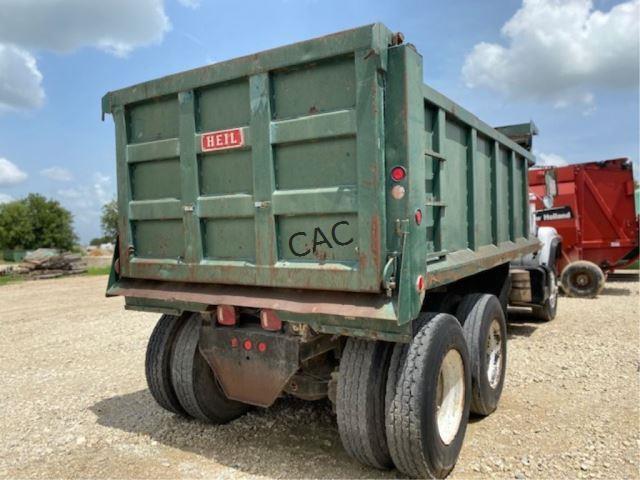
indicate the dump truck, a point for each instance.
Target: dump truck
{"x":592,"y":207}
{"x":314,"y":221}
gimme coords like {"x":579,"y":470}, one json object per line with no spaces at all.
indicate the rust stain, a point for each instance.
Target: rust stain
{"x":375,"y":240}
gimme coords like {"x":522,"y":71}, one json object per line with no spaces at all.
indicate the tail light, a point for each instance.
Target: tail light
{"x":397,"y":192}
{"x":398,"y":174}
{"x":270,"y":321}
{"x":418,"y":217}
{"x":227,"y":315}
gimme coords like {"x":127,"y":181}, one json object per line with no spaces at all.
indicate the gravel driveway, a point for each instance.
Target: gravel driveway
{"x":74,"y":401}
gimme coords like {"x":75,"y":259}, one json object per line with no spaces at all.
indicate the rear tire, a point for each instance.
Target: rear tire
{"x":158,"y":362}
{"x":582,"y":279}
{"x":485,"y":331}
{"x":360,"y":401}
{"x":196,"y":386}
{"x":428,"y":413}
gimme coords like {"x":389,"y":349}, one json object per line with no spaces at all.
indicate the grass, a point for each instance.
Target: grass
{"x":93,"y":271}
{"x":6,"y":279}
{"x":99,"y":270}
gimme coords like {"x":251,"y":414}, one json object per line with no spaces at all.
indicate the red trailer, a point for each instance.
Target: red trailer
{"x":594,"y":212}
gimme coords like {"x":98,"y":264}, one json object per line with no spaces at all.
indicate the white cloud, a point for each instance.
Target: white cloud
{"x":116,"y":26}
{"x":558,"y":51}
{"x":20,"y":79}
{"x":10,"y":174}
{"x":190,"y":3}
{"x":57,"y":174}
{"x":87,"y":200}
{"x":5,"y":198}
{"x":550,"y":159}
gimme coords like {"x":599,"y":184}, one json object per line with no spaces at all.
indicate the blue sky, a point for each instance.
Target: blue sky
{"x":571,"y":66}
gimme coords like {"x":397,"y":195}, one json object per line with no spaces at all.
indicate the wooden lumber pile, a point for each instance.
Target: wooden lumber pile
{"x":50,"y":263}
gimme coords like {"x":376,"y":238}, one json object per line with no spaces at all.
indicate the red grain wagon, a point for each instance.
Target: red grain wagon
{"x":594,"y":212}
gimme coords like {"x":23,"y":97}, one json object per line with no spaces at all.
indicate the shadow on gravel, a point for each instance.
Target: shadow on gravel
{"x":292,"y":439}
{"x":615,"y":291}
{"x":521,"y":323}
{"x":623,"y":276}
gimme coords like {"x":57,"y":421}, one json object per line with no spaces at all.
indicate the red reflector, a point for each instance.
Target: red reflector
{"x":247,"y":345}
{"x":418,"y":216}
{"x":270,"y":321}
{"x":398,"y":174}
{"x":420,"y":283}
{"x":262,"y":347}
{"x":234,"y":342}
{"x":227,"y":315}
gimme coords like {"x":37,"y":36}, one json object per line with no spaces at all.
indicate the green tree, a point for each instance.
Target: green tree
{"x":16,"y":231}
{"x":36,"y":222}
{"x":96,"y":242}
{"x":109,"y":220}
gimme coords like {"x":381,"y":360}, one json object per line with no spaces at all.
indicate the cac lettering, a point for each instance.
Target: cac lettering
{"x":319,"y":238}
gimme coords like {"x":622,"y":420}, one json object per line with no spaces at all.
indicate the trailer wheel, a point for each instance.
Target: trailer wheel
{"x":485,"y":331}
{"x":428,"y":413}
{"x":157,"y":362}
{"x":360,"y":402}
{"x":196,"y":386}
{"x":582,"y":279}
{"x":547,"y":311}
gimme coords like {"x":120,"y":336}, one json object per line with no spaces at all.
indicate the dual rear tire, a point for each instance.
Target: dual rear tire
{"x":485,"y":331}
{"x":178,"y":376}
{"x":406,"y":405}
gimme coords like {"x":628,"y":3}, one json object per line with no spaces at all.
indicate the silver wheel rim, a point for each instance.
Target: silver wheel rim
{"x":494,"y":354}
{"x":450,"y":396}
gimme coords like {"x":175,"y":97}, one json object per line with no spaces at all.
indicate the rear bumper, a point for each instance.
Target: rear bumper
{"x":361,"y":305}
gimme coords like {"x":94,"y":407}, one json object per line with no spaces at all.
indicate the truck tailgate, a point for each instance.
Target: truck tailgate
{"x":265,"y":170}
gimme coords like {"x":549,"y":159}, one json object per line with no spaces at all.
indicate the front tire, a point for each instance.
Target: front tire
{"x":196,"y":387}
{"x":428,"y":414}
{"x":485,"y":331}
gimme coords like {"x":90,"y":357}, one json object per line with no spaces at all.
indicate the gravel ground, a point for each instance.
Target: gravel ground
{"x":74,"y":401}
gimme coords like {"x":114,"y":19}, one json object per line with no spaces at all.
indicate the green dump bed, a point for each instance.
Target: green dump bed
{"x":273,"y":170}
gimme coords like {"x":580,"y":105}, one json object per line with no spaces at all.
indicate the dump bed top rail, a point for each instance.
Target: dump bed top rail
{"x":317,"y":49}
{"x":465,"y":116}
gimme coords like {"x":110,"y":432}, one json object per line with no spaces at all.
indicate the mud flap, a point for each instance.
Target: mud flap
{"x":252,"y":365}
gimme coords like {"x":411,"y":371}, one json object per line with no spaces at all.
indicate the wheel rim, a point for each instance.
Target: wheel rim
{"x":493,"y":354}
{"x":450,"y":396}
{"x":582,"y":280}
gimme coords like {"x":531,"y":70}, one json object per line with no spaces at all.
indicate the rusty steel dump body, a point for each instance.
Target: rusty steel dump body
{"x":265,"y":182}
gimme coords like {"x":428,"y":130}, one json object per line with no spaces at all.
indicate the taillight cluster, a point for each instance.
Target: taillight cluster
{"x":227,"y":315}
{"x":248,"y":345}
{"x":398,"y":174}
